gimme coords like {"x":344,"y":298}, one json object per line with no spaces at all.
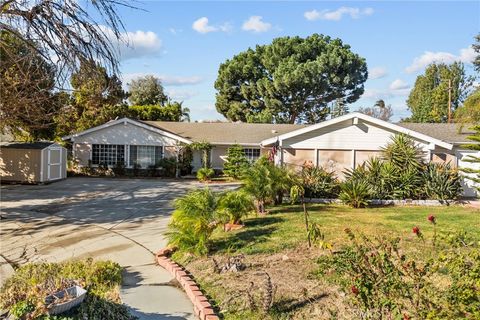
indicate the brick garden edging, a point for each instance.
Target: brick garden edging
{"x":201,"y":307}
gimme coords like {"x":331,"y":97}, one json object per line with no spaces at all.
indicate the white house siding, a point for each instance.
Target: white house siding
{"x":120,"y":134}
{"x":345,"y":145}
{"x":469,"y":187}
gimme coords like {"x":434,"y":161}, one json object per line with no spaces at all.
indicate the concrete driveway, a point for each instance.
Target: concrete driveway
{"x":119,"y":219}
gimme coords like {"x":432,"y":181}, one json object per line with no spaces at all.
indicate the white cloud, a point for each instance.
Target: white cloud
{"x":255,"y":24}
{"x":174,"y":31}
{"x":167,"y":80}
{"x":466,"y":55}
{"x":136,"y":44}
{"x":377,"y":73}
{"x":399,"y":84}
{"x":181,"y":94}
{"x":201,"y":25}
{"x":338,"y":14}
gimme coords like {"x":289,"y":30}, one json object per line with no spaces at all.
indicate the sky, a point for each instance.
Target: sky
{"x":184,"y":42}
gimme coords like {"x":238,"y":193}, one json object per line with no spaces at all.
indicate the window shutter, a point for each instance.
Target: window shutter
{"x":133,"y":155}
{"x":158,"y":154}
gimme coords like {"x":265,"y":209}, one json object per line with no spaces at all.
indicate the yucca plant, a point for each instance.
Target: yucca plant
{"x":403,"y":152}
{"x":355,"y":193}
{"x":441,"y":182}
{"x":234,"y":205}
{"x":195,"y":217}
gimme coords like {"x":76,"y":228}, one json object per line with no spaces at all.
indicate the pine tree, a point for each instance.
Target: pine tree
{"x":236,"y":162}
{"x":475,"y":177}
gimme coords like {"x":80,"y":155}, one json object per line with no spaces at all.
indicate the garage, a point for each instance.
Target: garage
{"x":36,"y":162}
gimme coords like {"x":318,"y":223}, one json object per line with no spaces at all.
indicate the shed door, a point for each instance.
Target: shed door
{"x":54,"y":163}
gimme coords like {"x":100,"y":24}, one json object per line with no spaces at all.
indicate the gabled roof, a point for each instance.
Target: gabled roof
{"x":454,"y":133}
{"x":226,"y":133}
{"x":39,"y":145}
{"x":133,"y":122}
{"x":355,"y":116}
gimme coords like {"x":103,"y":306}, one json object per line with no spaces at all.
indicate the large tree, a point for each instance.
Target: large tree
{"x":293,"y":79}
{"x":147,"y":90}
{"x":469,"y":112}
{"x":96,"y":99}
{"x":379,"y":110}
{"x":27,"y":101}
{"x":170,"y":111}
{"x":428,"y":100}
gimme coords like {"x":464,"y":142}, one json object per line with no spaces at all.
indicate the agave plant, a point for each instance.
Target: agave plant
{"x":403,"y":153}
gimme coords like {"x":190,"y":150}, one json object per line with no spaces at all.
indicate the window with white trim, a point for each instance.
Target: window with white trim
{"x":252,"y":154}
{"x":108,"y":154}
{"x":145,"y":156}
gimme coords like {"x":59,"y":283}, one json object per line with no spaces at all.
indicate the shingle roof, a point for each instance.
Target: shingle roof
{"x":449,"y":132}
{"x":225,"y":132}
{"x":26,"y":145}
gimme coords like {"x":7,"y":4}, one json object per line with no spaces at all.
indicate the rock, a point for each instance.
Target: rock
{"x":285,"y":257}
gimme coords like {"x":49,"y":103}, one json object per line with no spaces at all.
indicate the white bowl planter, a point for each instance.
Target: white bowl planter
{"x":67,"y":299}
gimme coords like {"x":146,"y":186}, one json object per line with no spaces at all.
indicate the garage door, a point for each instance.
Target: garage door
{"x":54,"y":163}
{"x":468,"y":185}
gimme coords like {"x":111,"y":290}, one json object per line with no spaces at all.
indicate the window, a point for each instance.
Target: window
{"x":145,"y":156}
{"x":251,"y":154}
{"x":108,"y":154}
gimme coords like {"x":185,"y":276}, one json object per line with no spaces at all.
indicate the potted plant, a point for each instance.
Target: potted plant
{"x":64,"y":300}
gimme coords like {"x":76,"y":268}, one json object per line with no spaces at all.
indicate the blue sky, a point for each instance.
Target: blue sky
{"x":184,"y":43}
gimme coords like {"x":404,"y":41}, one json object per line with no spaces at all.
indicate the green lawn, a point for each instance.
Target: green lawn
{"x":276,"y":244}
{"x":284,"y":227}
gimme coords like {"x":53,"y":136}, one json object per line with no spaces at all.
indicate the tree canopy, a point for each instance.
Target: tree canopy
{"x":469,"y":112}
{"x":428,"y":100}
{"x":27,"y":102}
{"x":147,"y":90}
{"x":293,"y":79}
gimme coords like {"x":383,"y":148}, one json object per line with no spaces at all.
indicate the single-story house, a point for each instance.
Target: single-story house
{"x":339,"y":143}
{"x":35,"y":162}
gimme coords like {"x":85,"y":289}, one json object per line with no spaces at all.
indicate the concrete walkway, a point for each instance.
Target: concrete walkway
{"x":121,"y":220}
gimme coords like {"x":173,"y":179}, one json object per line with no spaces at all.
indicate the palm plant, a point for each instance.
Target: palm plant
{"x":193,"y":221}
{"x":234,"y":205}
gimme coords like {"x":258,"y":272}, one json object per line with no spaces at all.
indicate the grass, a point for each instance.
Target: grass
{"x":276,"y":244}
{"x":23,"y":294}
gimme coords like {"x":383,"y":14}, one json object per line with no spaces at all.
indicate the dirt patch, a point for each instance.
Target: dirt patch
{"x":298,"y":293}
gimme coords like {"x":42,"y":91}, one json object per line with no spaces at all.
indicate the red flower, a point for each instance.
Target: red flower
{"x":432,"y":218}
{"x":355,"y":290}
{"x":406,"y":316}
{"x":416,"y":230}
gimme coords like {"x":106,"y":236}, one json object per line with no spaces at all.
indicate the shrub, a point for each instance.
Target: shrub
{"x":385,"y":283}
{"x":24,"y":293}
{"x":355,"y":193}
{"x":168,"y":166}
{"x":318,"y":182}
{"x":235,"y":163}
{"x":403,"y":153}
{"x":441,"y":182}
{"x":119,"y":168}
{"x":205,"y":174}
{"x":234,"y":205}
{"x":193,"y":221}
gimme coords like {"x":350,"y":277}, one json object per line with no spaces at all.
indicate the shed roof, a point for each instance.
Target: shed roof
{"x":26,"y":145}
{"x":449,"y":132}
{"x":225,"y":132}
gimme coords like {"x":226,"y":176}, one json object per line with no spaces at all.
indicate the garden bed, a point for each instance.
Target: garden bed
{"x":24,"y":294}
{"x":276,"y":245}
